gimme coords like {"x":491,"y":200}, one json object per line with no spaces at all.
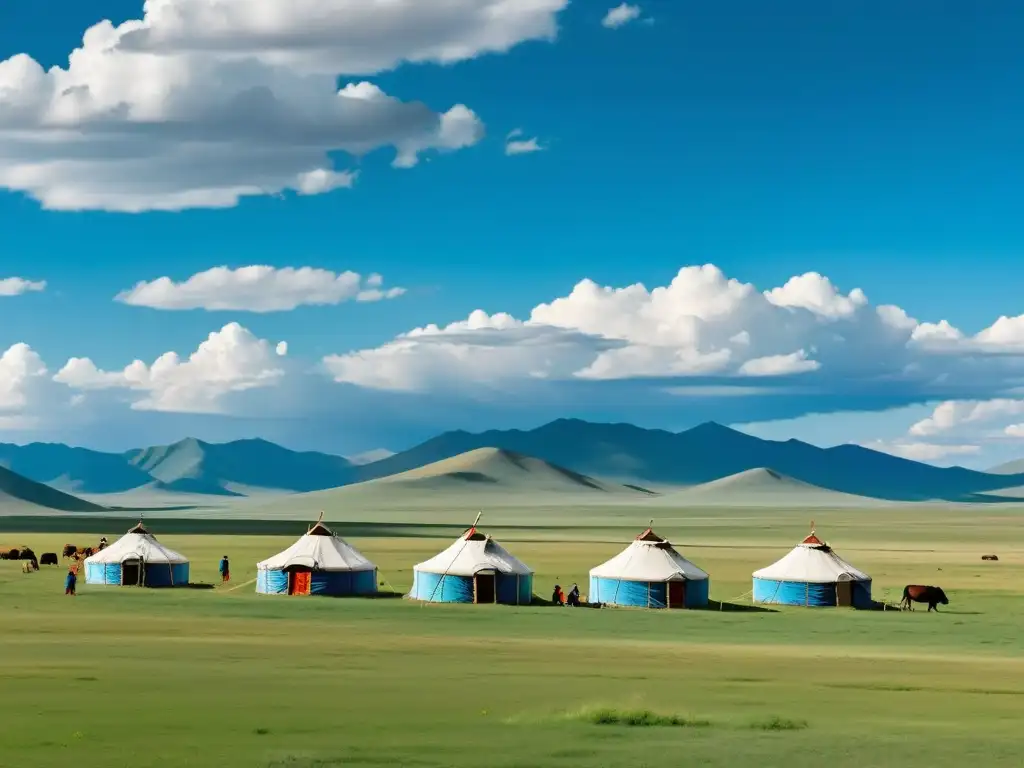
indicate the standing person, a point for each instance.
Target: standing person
{"x":556,"y":595}
{"x":225,"y":569}
{"x":69,"y":582}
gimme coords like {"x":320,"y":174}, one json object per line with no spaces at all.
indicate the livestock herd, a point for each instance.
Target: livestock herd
{"x":31,"y":563}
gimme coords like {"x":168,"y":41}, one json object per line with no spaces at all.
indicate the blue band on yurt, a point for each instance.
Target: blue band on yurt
{"x":272,"y":582}
{"x":772,"y":592}
{"x":442,"y":588}
{"x":510,"y":588}
{"x":644,"y":594}
{"x":697,"y":593}
{"x":340,"y":583}
{"x":166,"y":575}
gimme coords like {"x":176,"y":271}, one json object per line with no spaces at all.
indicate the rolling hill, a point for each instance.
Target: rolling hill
{"x":20,"y":494}
{"x":707,"y":452}
{"x":1015,"y":467}
{"x":761,"y":487}
{"x":483,"y":472}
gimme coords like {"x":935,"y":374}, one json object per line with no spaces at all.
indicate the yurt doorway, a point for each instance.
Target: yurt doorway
{"x":677,"y":594}
{"x":131,"y":573}
{"x":844,"y":592}
{"x":299,"y":581}
{"x":484,"y":587}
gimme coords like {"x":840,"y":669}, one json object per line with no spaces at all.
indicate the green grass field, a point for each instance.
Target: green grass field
{"x":223,"y":677}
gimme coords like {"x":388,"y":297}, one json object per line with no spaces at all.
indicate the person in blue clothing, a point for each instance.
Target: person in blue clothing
{"x":225,"y":569}
{"x":69,"y":582}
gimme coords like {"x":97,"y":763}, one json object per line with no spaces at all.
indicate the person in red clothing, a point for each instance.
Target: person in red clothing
{"x":70,"y":581}
{"x":225,"y":569}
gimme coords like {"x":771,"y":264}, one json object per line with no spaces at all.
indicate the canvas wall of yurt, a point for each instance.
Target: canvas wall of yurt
{"x":812,"y":574}
{"x":319,"y":563}
{"x":475,"y":569}
{"x":649,"y":573}
{"x":137,"y":559}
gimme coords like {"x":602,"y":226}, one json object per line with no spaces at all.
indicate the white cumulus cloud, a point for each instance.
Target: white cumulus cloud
{"x":347,"y":36}
{"x":922,"y":451}
{"x":16,"y":286}
{"x":702,"y":324}
{"x":257,"y":288}
{"x":779,"y":365}
{"x":621,"y":15}
{"x":952,"y":415}
{"x":202,"y":102}
{"x":21,"y":368}
{"x":230,"y":360}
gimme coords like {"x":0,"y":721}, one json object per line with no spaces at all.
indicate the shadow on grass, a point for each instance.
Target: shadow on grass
{"x":382,"y":596}
{"x":199,"y":585}
{"x":543,"y":602}
{"x":718,"y":605}
{"x":874,"y":605}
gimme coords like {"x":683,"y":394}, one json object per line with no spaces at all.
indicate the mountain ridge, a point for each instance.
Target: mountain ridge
{"x":619,"y":452}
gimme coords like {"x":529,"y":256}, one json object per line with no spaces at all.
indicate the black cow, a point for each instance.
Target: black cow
{"x":917,"y":593}
{"x":48,"y":558}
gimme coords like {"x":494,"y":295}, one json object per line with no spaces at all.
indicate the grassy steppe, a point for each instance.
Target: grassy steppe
{"x":224,"y":677}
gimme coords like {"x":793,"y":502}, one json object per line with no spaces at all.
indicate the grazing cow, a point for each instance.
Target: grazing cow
{"x":917,"y":593}
{"x":85,"y":552}
{"x":48,"y":558}
{"x":989,"y":557}
{"x":27,"y":554}
{"x":14,"y":553}
{"x":68,"y":551}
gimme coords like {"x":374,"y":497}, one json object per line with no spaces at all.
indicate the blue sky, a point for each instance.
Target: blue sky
{"x":876,"y":145}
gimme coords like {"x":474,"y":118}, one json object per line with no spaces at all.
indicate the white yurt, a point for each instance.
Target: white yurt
{"x":812,"y":574}
{"x":475,"y":569}
{"x":319,"y":563}
{"x":137,"y":559}
{"x":649,"y":573}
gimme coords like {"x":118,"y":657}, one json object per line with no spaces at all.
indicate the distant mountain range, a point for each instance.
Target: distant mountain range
{"x":618,"y":454}
{"x":709,"y":452}
{"x":238,"y":468}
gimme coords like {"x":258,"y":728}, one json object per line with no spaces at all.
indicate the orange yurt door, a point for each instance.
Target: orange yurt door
{"x":298,"y":582}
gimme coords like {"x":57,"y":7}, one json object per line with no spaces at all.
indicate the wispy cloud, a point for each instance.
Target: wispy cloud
{"x":517,"y":144}
{"x":621,"y":15}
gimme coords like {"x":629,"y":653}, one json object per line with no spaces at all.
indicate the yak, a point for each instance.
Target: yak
{"x":68,"y":551}
{"x":48,"y":558}
{"x":917,"y":593}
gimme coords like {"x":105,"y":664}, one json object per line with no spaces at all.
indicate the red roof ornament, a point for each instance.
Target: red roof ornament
{"x":813,"y":540}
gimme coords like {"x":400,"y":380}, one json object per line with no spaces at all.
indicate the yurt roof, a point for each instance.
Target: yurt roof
{"x":649,"y":558}
{"x":472,"y":553}
{"x":812,"y":561}
{"x":321,"y":550}
{"x":137,"y":544}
